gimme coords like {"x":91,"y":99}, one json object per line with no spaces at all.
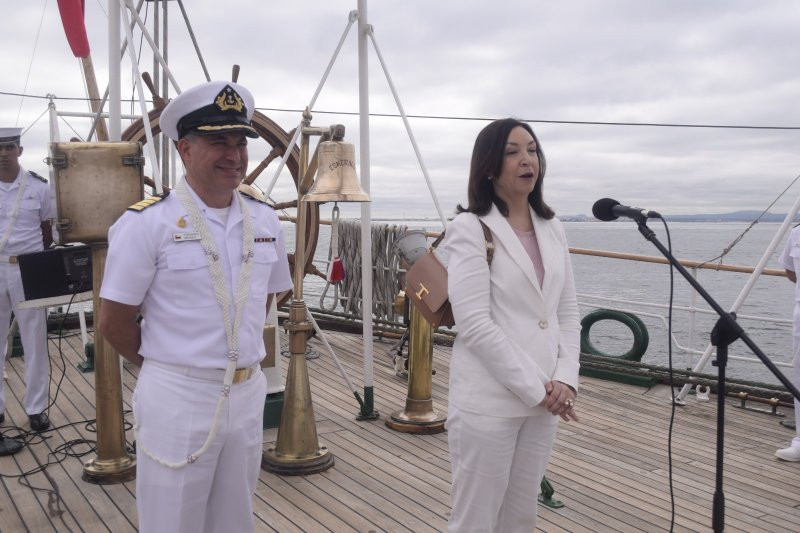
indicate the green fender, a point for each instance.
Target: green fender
{"x":640,"y":336}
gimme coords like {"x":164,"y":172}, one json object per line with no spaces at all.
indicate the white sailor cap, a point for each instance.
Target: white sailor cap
{"x":10,"y":135}
{"x":209,"y":108}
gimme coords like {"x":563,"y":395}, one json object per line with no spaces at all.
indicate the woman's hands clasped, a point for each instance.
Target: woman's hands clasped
{"x":560,"y":400}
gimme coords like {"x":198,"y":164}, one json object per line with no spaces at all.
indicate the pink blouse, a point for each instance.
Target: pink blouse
{"x":531,"y":245}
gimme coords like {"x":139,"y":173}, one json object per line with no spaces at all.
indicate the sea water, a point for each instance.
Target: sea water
{"x":771,"y":296}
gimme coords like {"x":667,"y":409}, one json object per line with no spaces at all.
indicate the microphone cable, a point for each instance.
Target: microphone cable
{"x":60,"y":336}
{"x":26,"y":436}
{"x":75,"y":448}
{"x":671,"y":381}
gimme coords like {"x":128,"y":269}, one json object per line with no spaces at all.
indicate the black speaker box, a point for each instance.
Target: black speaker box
{"x":57,"y":271}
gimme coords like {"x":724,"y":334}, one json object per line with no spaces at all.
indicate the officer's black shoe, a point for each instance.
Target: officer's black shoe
{"x":39,"y":422}
{"x":9,"y":446}
{"x":2,"y":417}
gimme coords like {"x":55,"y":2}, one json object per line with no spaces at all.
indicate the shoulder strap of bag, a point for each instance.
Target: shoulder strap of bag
{"x":487,"y":237}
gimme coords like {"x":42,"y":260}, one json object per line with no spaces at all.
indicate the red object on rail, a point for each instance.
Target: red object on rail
{"x":335,"y":272}
{"x":72,"y":20}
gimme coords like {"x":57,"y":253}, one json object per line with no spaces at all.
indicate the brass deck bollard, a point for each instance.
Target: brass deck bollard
{"x":113,"y":464}
{"x":418,"y":415}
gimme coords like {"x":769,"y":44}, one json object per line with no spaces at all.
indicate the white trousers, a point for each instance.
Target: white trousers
{"x":174,"y":414}
{"x":796,"y":382}
{"x":497,"y":466}
{"x":32,"y":332}
{"x":796,"y":439}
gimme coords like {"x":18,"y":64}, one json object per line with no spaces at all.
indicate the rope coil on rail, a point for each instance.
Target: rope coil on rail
{"x":386,"y":268}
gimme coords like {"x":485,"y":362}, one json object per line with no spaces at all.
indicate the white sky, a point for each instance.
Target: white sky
{"x":720,"y":62}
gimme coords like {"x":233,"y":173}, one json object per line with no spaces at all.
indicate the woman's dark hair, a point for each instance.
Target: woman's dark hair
{"x":487,"y":160}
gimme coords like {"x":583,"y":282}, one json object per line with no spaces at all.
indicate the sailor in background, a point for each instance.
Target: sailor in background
{"x":25,"y":214}
{"x":790,"y":260}
{"x":200,"y":265}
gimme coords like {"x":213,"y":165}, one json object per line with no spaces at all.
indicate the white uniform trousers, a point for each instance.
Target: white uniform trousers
{"x":33,"y":333}
{"x":796,"y":382}
{"x":497,"y":466}
{"x":174,"y":414}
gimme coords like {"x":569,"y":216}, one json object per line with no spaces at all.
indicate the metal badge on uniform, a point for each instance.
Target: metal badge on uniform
{"x":182,"y":222}
{"x":180,"y":237}
{"x":264,"y":239}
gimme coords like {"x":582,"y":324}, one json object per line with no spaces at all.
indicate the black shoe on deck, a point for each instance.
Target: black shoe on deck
{"x":39,"y":422}
{"x":9,"y":446}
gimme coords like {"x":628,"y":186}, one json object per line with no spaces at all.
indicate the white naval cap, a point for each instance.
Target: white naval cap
{"x":10,"y":135}
{"x":209,"y":108}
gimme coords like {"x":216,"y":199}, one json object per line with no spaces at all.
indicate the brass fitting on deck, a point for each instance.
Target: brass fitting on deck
{"x":418,"y":415}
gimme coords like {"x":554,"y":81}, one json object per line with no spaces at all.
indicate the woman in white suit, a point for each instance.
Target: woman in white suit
{"x":514,"y":369}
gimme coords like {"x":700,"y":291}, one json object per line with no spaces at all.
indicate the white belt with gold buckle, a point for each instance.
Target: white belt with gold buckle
{"x":240,"y":375}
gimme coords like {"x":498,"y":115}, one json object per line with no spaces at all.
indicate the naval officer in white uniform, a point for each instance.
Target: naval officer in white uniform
{"x":26,"y":209}
{"x":790,"y":260}
{"x":200,"y":266}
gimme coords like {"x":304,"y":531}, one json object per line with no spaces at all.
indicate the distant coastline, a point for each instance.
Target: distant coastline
{"x":736,"y":216}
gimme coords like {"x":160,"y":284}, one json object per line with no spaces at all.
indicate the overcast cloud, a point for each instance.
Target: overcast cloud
{"x":725,"y":62}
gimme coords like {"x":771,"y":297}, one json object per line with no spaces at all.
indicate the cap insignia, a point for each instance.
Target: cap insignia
{"x":229,"y":99}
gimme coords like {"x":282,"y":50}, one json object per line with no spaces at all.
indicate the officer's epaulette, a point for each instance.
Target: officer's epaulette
{"x":248,"y":194}
{"x":147,"y":202}
{"x":37,"y":176}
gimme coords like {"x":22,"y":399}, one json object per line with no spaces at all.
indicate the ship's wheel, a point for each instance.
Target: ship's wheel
{"x":278,"y":140}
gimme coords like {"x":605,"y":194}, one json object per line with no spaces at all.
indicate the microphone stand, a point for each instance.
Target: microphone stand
{"x":725,"y":331}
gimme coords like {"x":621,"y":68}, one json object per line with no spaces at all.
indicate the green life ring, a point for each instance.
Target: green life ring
{"x":640,"y":336}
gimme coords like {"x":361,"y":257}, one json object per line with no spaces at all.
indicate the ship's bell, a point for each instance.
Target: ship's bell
{"x":336,"y":175}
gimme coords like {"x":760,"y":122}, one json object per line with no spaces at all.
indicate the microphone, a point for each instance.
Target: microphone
{"x":606,"y":209}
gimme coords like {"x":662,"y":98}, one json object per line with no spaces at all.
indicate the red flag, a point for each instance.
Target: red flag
{"x":72,"y":19}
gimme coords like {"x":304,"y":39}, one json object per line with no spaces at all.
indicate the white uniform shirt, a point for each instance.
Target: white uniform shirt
{"x":170,"y":279}
{"x":790,"y":260}
{"x":35,"y":207}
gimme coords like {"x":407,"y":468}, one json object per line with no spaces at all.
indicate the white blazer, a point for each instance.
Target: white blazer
{"x":513,"y":336}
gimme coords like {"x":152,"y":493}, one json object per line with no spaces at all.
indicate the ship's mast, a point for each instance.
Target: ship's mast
{"x":114,"y":94}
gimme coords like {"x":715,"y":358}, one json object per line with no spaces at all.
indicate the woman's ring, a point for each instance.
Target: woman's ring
{"x":570,"y":403}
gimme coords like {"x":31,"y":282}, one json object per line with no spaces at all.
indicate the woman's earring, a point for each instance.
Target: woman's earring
{"x":490,"y":178}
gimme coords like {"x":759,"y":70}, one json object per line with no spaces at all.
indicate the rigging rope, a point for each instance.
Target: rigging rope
{"x":489,"y":119}
{"x":138,"y":59}
{"x":78,"y":135}
{"x":32,"y":124}
{"x":30,"y":65}
{"x":748,"y":228}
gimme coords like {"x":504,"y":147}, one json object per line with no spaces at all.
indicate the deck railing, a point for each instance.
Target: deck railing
{"x":656,"y":311}
{"x":621,"y":304}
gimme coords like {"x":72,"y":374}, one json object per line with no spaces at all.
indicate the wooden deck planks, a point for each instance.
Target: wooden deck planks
{"x":610,"y":469}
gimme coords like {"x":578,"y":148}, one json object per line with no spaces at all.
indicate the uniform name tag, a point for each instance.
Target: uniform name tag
{"x":264,"y":239}
{"x":180,"y":237}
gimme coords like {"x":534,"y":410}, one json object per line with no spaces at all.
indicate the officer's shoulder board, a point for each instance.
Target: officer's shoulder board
{"x":249,"y":195}
{"x":37,"y":176}
{"x":147,"y":202}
